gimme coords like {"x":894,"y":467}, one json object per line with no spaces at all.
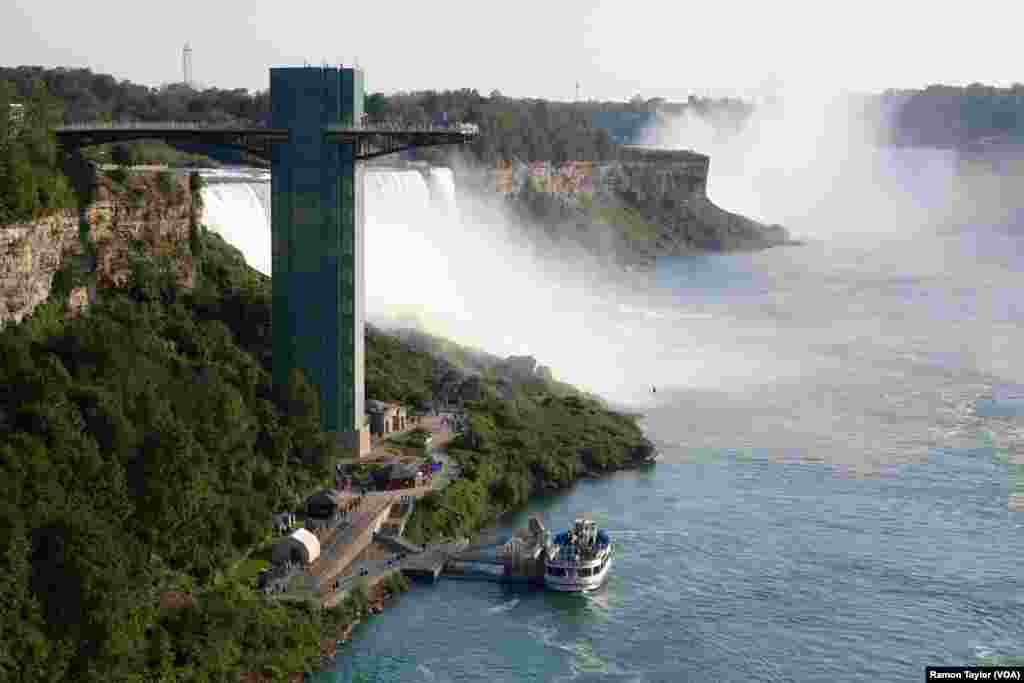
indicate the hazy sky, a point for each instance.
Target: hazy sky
{"x":529,"y":48}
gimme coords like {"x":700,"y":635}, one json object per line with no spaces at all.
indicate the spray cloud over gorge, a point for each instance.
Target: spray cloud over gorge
{"x":460,"y":268}
{"x":871,"y":343}
{"x":888,"y":327}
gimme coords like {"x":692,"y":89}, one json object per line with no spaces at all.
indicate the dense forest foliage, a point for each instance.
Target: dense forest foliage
{"x":30,"y":182}
{"x":947,"y":116}
{"x":143,"y":448}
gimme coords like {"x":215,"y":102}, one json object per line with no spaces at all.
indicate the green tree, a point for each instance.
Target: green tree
{"x":30,"y":181}
{"x":123,"y":154}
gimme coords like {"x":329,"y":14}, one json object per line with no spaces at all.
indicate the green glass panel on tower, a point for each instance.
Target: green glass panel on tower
{"x":317,"y":223}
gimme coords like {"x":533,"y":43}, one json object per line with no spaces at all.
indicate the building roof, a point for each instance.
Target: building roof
{"x":374,"y":406}
{"x":401,"y":471}
{"x":325,"y":497}
{"x":176,"y":600}
{"x":307,"y":539}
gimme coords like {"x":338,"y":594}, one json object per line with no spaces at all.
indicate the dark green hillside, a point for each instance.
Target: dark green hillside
{"x":143,"y":447}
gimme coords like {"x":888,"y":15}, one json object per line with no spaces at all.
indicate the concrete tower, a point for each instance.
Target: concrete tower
{"x":186,"y":64}
{"x":317,"y":223}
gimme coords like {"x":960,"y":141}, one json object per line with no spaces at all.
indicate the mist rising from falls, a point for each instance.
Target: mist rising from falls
{"x":867,"y":347}
{"x":406,"y":265}
{"x":460,"y":269}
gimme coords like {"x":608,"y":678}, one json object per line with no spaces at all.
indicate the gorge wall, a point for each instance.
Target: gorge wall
{"x":655,"y":199}
{"x":669,"y":191}
{"x":647,"y":204}
{"x":144,"y":213}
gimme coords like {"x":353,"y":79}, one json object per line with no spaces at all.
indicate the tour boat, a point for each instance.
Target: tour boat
{"x":579,"y":559}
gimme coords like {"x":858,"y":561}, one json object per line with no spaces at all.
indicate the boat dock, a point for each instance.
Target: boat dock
{"x":425,"y":566}
{"x":429,"y":565}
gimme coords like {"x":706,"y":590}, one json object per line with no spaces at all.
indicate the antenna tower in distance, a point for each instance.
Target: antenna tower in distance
{"x":186,"y":64}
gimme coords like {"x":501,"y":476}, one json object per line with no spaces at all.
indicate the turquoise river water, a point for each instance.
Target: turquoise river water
{"x":842,"y":436}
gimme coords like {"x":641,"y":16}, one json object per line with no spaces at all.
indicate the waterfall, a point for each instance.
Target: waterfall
{"x":410,"y":221}
{"x":239,"y":211}
{"x":405,"y":212}
{"x":442,"y":191}
{"x":453,"y":266}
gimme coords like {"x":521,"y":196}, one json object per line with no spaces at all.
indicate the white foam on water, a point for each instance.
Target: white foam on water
{"x":504,"y":607}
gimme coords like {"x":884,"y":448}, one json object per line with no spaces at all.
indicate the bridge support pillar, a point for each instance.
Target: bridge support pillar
{"x":317,"y":224}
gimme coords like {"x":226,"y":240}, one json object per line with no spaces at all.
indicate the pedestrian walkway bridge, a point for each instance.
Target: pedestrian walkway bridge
{"x":372,"y":139}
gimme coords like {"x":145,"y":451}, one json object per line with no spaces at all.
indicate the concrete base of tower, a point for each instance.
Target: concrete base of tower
{"x":356,"y":443}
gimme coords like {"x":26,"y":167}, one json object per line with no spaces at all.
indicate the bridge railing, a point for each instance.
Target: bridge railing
{"x":367,"y":127}
{"x":146,"y":125}
{"x":401,"y":126}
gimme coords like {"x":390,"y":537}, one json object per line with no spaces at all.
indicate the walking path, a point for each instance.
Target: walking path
{"x":353,"y":532}
{"x":329,"y":573}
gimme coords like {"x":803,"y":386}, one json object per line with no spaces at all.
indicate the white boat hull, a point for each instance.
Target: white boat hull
{"x":577,"y":584}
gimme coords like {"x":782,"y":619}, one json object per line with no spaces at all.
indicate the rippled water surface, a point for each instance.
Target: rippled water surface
{"x":849,"y":522}
{"x":737,"y":566}
{"x":842,"y":429}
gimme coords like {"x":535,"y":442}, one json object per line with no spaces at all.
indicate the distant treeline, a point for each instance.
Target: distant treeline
{"x":522,"y":128}
{"x":948,"y":116}
{"x":526,"y":129}
{"x":100,"y":97}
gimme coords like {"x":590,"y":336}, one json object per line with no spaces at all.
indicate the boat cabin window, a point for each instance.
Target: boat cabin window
{"x":583,"y":571}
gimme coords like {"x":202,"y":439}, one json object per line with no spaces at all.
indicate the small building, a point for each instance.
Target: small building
{"x":15,"y":119}
{"x":301,"y":547}
{"x":172,"y":600}
{"x":386,"y":418}
{"x":16,"y":113}
{"x":324,"y":505}
{"x":401,"y":476}
{"x":282,"y":521}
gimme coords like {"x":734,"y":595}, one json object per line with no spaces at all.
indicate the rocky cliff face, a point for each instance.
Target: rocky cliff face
{"x":30,"y":255}
{"x":142,"y":216}
{"x":146,"y":214}
{"x":669,"y":191}
{"x":656,"y":201}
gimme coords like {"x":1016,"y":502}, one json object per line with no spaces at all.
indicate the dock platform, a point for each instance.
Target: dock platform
{"x":428,"y":565}
{"x":424,"y":566}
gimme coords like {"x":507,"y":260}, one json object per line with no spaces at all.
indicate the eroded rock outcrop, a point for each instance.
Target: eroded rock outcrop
{"x":147,"y":214}
{"x":669,"y":190}
{"x":30,"y":255}
{"x":144,"y":215}
{"x":648,"y":203}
